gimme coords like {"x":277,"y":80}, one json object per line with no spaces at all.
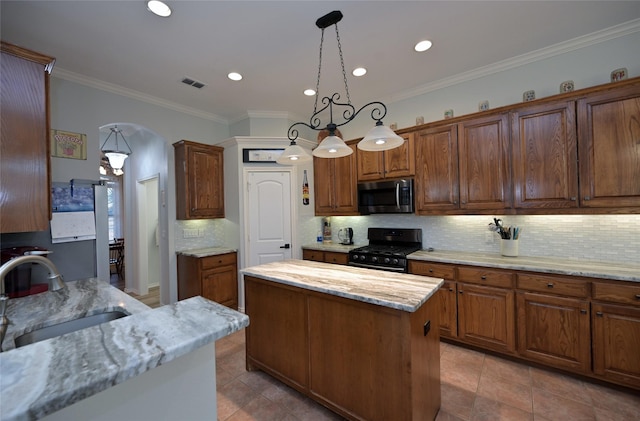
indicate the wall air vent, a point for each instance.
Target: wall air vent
{"x":193,"y":83}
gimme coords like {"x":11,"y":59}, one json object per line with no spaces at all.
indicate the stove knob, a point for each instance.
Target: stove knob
{"x":395,"y":261}
{"x":362,"y":257}
{"x":354,"y":257}
{"x":374,"y":259}
{"x":387,"y":260}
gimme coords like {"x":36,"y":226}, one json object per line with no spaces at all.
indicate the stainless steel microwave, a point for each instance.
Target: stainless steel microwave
{"x":395,"y":196}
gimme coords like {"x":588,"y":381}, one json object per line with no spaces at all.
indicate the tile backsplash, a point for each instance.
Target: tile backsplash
{"x":611,"y":238}
{"x":197,"y":234}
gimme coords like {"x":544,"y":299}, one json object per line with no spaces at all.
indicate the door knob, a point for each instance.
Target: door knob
{"x":286,"y":246}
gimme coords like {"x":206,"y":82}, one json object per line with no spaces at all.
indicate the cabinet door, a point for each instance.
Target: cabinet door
{"x":24,"y":142}
{"x":315,"y":255}
{"x":436,"y":181}
{"x":336,"y":257}
{"x":370,"y":165}
{"x":545,"y":156}
{"x":447,"y":298}
{"x":206,"y":184}
{"x":221,"y":285}
{"x":486,"y":317}
{"x":401,"y":161}
{"x":554,"y":331}
{"x":485,"y":181}
{"x":345,"y":185}
{"x":616,"y":343}
{"x":608,"y":133}
{"x":324,"y":176}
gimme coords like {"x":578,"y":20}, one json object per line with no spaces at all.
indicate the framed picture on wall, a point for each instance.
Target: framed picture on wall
{"x":68,"y":144}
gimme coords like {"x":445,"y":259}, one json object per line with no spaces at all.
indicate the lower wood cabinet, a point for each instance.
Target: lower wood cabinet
{"x":446,"y":295}
{"x":213,"y":277}
{"x":364,"y":361}
{"x":615,"y":320}
{"x":325,"y":256}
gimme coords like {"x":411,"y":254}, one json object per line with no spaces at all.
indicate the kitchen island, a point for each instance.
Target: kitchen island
{"x":129,"y":368}
{"x":362,"y":342}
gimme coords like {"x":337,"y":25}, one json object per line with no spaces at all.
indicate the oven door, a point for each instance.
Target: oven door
{"x":379,"y":267}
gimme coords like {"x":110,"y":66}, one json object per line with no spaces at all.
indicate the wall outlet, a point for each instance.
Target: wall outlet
{"x":189,"y":233}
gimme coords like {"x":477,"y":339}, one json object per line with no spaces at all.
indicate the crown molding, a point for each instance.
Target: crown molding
{"x":130,"y":93}
{"x":597,"y":37}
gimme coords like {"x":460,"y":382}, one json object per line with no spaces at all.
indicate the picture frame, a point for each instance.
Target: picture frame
{"x":68,"y":145}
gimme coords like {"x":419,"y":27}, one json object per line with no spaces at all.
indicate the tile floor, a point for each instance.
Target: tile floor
{"x":475,"y":386}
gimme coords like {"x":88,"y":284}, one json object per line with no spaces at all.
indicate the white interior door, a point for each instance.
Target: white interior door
{"x":269,"y":205}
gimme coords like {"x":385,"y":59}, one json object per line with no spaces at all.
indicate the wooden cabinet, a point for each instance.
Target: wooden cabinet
{"x":335,"y":182}
{"x":615,"y":316}
{"x":446,"y":295}
{"x":393,"y":163}
{"x":25,"y":167}
{"x":553,"y":321}
{"x":437,"y":183}
{"x":464,"y":167}
{"x":199,"y":180}
{"x":545,"y":156}
{"x":213,"y":277}
{"x":316,"y":342}
{"x":325,"y":256}
{"x":608,"y":133}
{"x":486,"y":308}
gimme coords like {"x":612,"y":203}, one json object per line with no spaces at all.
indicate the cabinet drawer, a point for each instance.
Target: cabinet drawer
{"x":432,"y":269}
{"x":623,"y":292}
{"x":337,"y":258}
{"x":553,"y":285}
{"x":484,"y":276}
{"x":218,"y":260}
{"x":315,"y":255}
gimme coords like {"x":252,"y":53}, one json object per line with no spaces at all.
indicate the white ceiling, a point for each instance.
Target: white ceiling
{"x":275,"y":44}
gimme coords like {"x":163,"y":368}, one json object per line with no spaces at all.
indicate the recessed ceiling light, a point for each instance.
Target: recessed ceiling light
{"x":423,"y":46}
{"x":309,"y":92}
{"x":234,"y":76}
{"x":159,"y":8}
{"x":360,"y":71}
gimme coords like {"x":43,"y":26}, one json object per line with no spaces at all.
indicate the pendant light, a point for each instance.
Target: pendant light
{"x":332,"y":146}
{"x":113,"y":152}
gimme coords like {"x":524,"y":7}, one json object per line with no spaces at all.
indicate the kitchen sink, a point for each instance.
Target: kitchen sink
{"x":67,"y":327}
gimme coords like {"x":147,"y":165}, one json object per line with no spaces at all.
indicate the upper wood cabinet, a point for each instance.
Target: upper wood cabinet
{"x":199,"y":180}
{"x":464,"y":167}
{"x":25,"y":166}
{"x":335,"y":185}
{"x":609,"y":148}
{"x":393,"y":163}
{"x":545,"y":156}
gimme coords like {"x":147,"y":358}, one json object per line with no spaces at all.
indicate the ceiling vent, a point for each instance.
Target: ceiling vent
{"x":193,"y":83}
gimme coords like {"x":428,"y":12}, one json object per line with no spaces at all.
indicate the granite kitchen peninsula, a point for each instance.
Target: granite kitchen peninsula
{"x":362,"y":342}
{"x":130,"y":368}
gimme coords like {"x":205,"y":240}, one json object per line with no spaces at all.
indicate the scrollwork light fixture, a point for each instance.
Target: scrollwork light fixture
{"x":379,"y":138}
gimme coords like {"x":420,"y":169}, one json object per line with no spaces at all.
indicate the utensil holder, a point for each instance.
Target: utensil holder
{"x":509,"y":248}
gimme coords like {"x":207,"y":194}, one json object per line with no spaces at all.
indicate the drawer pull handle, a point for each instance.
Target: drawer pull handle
{"x":583,"y":311}
{"x":637,"y":296}
{"x":460,"y":292}
{"x":430,"y":270}
{"x":451,"y":289}
{"x":550,"y":285}
{"x":599,"y":313}
{"x":483,"y":277}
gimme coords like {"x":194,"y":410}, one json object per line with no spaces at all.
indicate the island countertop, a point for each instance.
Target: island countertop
{"x":399,"y":291}
{"x":46,"y":376}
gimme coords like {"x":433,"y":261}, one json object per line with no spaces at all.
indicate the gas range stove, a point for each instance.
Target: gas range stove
{"x":388,"y":249}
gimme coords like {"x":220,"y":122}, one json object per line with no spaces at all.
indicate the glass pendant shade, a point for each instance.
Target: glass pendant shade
{"x":332,"y":147}
{"x":116,"y":159}
{"x":380,"y":138}
{"x":293,"y":155}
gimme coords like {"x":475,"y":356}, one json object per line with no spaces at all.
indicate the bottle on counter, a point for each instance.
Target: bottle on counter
{"x":326,"y":233}
{"x":305,"y":189}
{"x":319,"y":236}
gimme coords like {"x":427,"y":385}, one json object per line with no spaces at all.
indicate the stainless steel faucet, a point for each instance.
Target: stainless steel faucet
{"x":55,"y":283}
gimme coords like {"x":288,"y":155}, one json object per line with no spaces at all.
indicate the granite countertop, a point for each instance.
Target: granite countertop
{"x":206,"y":252}
{"x":337,"y":247}
{"x":399,"y":291}
{"x":46,"y":376}
{"x":587,"y":268}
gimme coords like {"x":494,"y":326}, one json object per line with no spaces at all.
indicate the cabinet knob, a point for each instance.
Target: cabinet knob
{"x":431,"y":271}
{"x":550,"y":285}
{"x":587,"y":198}
{"x":483,"y":277}
{"x":463,"y":202}
{"x":455,"y":202}
{"x":637,"y":296}
{"x":451,"y":289}
{"x":460,"y":292}
{"x":599,"y":313}
{"x":583,"y":311}
{"x":573,"y":198}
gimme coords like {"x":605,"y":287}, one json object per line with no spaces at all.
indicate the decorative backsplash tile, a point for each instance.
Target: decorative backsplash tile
{"x":599,"y":237}
{"x":199,"y":234}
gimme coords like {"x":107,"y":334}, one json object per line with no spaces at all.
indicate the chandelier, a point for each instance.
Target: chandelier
{"x":113,"y":152}
{"x":379,"y":138}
